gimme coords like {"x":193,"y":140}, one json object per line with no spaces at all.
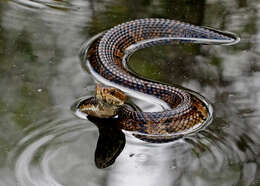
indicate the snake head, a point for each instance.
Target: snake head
{"x":97,"y":108}
{"x":110,"y":95}
{"x":105,"y":104}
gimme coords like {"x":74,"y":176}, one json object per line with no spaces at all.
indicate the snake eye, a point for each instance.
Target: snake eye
{"x":112,"y":92}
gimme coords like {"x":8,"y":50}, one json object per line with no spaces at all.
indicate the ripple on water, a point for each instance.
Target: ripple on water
{"x":37,"y":156}
{"x":59,"y":150}
{"x":41,"y":4}
{"x":212,"y":155}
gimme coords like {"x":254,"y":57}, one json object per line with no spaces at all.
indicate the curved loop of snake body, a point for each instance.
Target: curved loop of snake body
{"x":106,"y":57}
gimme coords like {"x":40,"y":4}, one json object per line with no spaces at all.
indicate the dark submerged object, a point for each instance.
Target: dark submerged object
{"x":111,"y":141}
{"x":106,"y":57}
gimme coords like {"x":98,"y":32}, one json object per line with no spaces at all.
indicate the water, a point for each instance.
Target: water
{"x":43,"y":143}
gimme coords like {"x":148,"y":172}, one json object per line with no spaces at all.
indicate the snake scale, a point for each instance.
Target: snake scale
{"x":107,"y":56}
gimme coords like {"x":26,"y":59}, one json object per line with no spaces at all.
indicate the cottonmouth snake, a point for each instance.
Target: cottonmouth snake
{"x":106,"y":59}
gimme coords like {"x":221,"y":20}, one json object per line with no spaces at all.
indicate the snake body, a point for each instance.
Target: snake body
{"x":106,"y":56}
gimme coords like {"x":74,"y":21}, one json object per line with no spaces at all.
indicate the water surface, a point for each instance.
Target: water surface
{"x":43,"y":143}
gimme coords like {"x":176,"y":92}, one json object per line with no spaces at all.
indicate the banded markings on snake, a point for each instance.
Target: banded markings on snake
{"x":106,"y":57}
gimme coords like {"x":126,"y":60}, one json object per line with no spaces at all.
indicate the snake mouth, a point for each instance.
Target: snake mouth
{"x":105,"y":104}
{"x":97,"y":108}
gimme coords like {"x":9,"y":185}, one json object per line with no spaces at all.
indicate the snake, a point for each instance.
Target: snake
{"x":106,"y":59}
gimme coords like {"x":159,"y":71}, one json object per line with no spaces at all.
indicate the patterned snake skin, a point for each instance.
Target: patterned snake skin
{"x":108,"y":51}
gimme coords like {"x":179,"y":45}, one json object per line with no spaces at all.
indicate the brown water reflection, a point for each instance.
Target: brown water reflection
{"x":42,"y":143}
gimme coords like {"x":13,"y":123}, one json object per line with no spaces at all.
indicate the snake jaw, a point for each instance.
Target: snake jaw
{"x":98,"y":108}
{"x":105,"y":104}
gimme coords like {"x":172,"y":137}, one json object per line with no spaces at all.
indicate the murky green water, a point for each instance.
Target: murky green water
{"x":43,"y":143}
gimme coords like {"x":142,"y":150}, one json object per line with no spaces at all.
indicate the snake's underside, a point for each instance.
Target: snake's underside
{"x":106,"y":56}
